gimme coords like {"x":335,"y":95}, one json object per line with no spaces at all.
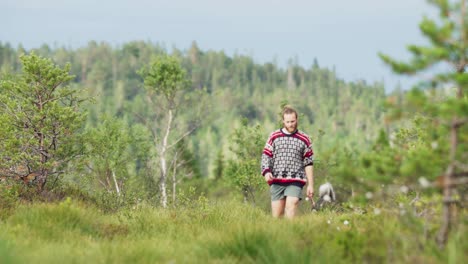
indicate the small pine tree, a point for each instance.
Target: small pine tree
{"x":42,"y":117}
{"x":448,"y":44}
{"x":243,"y":171}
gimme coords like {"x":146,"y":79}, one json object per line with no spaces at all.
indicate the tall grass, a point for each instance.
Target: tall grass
{"x":223,"y":232}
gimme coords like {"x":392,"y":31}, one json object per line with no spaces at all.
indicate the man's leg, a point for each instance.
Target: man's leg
{"x":277,"y":208}
{"x":291,"y":206}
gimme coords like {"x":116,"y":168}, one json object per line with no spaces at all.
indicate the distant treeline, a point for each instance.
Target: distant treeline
{"x":339,"y":112}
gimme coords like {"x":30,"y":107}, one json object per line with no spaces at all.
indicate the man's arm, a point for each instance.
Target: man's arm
{"x":309,"y":167}
{"x":309,"y":170}
{"x":267,"y":160}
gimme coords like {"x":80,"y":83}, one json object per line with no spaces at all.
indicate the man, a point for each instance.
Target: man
{"x":287,"y":165}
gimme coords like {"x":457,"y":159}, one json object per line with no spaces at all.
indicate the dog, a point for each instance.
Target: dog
{"x":326,"y":195}
{"x":326,"y":192}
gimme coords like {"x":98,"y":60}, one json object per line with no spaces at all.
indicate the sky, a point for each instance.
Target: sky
{"x":341,"y":34}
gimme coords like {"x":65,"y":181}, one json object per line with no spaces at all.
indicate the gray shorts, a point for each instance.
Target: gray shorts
{"x":280,"y":191}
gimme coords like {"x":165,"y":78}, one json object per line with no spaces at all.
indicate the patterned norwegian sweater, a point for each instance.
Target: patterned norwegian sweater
{"x":286,"y":156}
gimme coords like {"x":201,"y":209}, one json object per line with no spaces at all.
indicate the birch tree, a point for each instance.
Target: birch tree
{"x":109,"y":147}
{"x":167,"y":90}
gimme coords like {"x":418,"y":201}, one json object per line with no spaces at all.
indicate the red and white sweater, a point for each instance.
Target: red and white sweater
{"x":286,"y":156}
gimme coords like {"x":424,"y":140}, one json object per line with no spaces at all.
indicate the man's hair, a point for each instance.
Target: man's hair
{"x":288,"y":110}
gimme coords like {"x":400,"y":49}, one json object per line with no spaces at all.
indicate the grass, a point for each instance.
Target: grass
{"x":222,"y":232}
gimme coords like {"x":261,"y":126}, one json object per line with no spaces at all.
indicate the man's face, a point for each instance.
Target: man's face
{"x":290,"y":122}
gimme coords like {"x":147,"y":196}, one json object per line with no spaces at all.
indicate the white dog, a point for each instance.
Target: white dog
{"x":326,"y":195}
{"x":326,"y":192}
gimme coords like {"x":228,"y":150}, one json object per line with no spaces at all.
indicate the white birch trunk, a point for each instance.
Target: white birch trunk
{"x":117,"y":189}
{"x":163,"y":161}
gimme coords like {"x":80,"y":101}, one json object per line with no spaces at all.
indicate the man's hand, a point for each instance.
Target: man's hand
{"x":310,"y":191}
{"x":268,"y":176}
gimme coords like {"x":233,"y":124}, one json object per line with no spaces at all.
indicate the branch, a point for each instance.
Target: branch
{"x":51,"y":99}
{"x":459,"y":122}
{"x":182,"y":137}
{"x":41,"y":152}
{"x":461,"y":166}
{"x":460,"y":181}
{"x":103,"y":184}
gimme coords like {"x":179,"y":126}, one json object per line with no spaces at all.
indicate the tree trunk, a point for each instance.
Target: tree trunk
{"x":41,"y":180}
{"x":115,"y":183}
{"x":448,"y":203}
{"x":163,"y":161}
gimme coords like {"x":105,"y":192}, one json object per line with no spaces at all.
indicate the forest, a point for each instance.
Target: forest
{"x":139,"y":153}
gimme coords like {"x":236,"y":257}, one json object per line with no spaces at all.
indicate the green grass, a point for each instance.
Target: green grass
{"x":223,"y":232}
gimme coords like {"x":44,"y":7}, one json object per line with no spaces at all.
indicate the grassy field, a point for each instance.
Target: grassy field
{"x":224,"y":232}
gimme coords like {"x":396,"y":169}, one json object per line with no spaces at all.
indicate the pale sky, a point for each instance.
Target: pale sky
{"x":345,"y":34}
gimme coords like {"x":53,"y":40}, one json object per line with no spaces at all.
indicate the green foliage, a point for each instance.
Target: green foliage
{"x":437,"y":124}
{"x":188,"y":165}
{"x":219,"y":165}
{"x":448,"y":44}
{"x":421,"y":149}
{"x":342,"y":167}
{"x":111,"y":147}
{"x":41,"y":117}
{"x":416,"y":152}
{"x":196,"y":205}
{"x":246,"y":143}
{"x":165,"y":76}
{"x":348,"y":112}
{"x":111,"y":202}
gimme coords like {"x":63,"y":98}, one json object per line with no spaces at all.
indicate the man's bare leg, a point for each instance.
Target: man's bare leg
{"x":277,"y":208}
{"x":291,"y":206}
